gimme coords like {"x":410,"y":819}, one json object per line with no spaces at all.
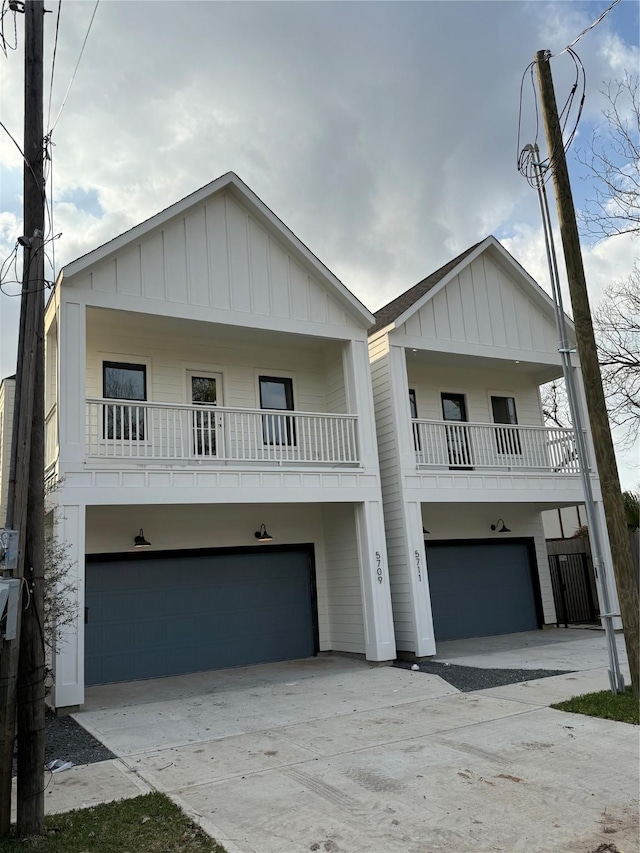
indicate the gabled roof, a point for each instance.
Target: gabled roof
{"x":392,"y":310}
{"x":230,"y":182}
{"x":402,"y":307}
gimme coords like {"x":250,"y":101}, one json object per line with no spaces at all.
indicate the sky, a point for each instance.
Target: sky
{"x":384,"y":134}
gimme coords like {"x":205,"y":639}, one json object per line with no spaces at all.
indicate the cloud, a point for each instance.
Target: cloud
{"x":383,"y":134}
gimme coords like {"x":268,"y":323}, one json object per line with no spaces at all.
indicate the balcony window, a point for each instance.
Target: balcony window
{"x":124,"y":382}
{"x":504,"y":412}
{"x":277,"y":393}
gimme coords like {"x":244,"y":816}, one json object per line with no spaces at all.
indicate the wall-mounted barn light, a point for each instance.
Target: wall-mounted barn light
{"x":262,"y":535}
{"x":500,"y":526}
{"x":140,"y":542}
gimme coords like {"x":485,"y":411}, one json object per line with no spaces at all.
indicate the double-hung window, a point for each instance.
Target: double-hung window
{"x":277,"y":393}
{"x":124,"y":382}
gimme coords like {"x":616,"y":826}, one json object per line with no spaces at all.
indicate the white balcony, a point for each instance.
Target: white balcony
{"x":494,"y":447}
{"x":159,"y":432}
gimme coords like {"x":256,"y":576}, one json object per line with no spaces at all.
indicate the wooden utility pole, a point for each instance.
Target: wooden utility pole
{"x":588,"y":355}
{"x":20,"y":659}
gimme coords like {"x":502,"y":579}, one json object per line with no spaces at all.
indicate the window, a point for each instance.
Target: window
{"x":504,"y":412}
{"x":413,"y":407}
{"x":124,"y":382}
{"x":277,"y":393}
{"x":204,"y":392}
{"x":454,"y":412}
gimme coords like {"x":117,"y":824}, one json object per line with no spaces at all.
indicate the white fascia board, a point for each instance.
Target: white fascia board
{"x":412,"y":309}
{"x":233,"y":184}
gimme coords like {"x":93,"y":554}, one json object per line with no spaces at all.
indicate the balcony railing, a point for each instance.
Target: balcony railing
{"x":159,"y":431}
{"x":494,"y":446}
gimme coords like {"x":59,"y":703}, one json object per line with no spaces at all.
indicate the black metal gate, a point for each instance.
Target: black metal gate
{"x":572,"y":591}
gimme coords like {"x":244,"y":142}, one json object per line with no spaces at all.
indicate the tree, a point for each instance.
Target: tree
{"x":555,"y":406}
{"x":631,"y":501}
{"x":612,"y":161}
{"x":617,"y":328}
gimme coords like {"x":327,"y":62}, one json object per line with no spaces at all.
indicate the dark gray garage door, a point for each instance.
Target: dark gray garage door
{"x":173,"y":614}
{"x":481,"y":589}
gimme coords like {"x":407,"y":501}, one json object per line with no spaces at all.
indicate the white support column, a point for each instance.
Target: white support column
{"x":357,"y":375}
{"x":68,"y":661}
{"x":399,"y":382}
{"x":380,"y":641}
{"x":72,"y":391}
{"x":419,"y":580}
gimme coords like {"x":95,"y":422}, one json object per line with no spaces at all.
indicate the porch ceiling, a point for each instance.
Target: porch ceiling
{"x":539,"y":372}
{"x":136,"y":324}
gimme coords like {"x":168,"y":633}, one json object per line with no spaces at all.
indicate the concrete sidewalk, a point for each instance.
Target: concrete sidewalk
{"x":333,"y":755}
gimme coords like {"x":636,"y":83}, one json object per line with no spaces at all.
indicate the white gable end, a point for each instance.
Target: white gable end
{"x":483,"y":305}
{"x":217,"y":255}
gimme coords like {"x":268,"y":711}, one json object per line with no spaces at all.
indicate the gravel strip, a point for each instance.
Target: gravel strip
{"x":67,"y":740}
{"x":470,"y":678}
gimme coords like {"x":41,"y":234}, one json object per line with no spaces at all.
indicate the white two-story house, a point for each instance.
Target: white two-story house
{"x":467,"y":464}
{"x":211,"y":437}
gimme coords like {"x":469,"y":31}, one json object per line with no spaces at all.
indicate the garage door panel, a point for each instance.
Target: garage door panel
{"x":164,"y":616}
{"x":481,"y":589}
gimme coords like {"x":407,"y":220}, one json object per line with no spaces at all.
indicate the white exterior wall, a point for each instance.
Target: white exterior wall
{"x":7,"y":396}
{"x":473,"y":521}
{"x":316,"y":369}
{"x":343,"y":603}
{"x":478,"y":385}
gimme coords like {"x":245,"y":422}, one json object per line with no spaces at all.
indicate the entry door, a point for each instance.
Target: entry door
{"x":454,"y":411}
{"x":205,"y":390}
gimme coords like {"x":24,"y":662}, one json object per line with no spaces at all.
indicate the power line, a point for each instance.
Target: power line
{"x":587,"y":29}
{"x":4,"y":44}
{"x":53,"y":61}
{"x":75,"y":71}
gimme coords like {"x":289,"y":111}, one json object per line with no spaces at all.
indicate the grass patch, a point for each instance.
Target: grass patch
{"x":621,"y":706}
{"x":147,"y":824}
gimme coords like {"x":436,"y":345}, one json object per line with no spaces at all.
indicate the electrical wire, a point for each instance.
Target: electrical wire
{"x":568,"y":123}
{"x":53,"y":61}
{"x":588,"y":29}
{"x":75,"y":71}
{"x":4,"y":44}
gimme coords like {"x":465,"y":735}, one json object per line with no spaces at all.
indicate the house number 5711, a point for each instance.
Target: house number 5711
{"x":417,"y":553}
{"x":379,"y":566}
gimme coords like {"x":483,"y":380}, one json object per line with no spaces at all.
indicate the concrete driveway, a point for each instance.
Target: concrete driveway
{"x":332,"y":754}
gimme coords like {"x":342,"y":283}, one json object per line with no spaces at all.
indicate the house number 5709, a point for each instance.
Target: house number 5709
{"x":379,"y":566}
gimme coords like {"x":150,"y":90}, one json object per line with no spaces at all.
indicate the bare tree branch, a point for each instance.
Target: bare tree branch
{"x":612,"y":160}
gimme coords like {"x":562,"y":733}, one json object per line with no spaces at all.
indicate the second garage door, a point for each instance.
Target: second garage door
{"x":480,"y":589}
{"x":167,"y":614}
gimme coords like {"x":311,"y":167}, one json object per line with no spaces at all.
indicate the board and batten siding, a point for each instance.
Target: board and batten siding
{"x":392,"y":498}
{"x":483,"y":305}
{"x":478,"y":386}
{"x":216,"y":255}
{"x":473,"y":521}
{"x":316,"y":371}
{"x":344,"y":590}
